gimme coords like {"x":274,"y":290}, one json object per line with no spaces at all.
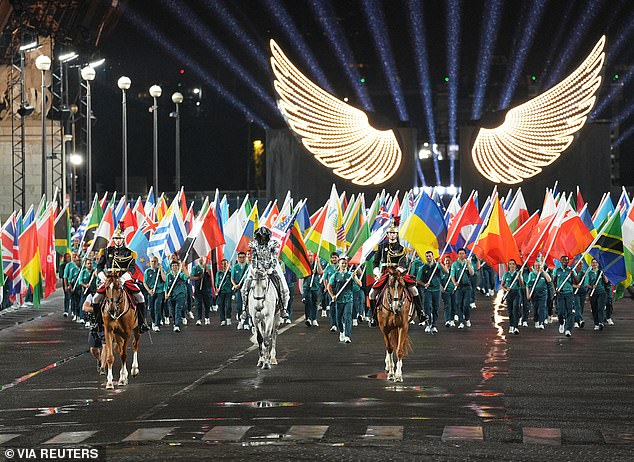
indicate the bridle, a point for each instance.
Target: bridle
{"x":390,"y":291}
{"x":110,"y":301}
{"x":260,"y":276}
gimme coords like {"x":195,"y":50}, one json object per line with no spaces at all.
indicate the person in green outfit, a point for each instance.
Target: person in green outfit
{"x":176,"y":292}
{"x":71,"y":288}
{"x":461,"y":270}
{"x":594,"y":282}
{"x":564,"y":279}
{"x":329,"y":270}
{"x":238,"y":275}
{"x":201,"y":279}
{"x":223,"y":293}
{"x":86,"y":285}
{"x":511,"y":284}
{"x":537,"y":292}
{"x":448,"y":292}
{"x":310,"y":290}
{"x":154,"y":282}
{"x":340,"y":291}
{"x":428,"y":277}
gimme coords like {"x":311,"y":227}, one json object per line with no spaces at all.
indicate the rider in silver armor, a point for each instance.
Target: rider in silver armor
{"x":264,"y":257}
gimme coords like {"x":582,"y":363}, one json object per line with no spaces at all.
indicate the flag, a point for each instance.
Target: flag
{"x":139,"y":244}
{"x":45,"y":225}
{"x":355,"y":219}
{"x":628,"y":253}
{"x":522,"y":237}
{"x":623,"y":204}
{"x":357,"y":243}
{"x":572,"y":237}
{"x":452,"y":210}
{"x":234,"y":228}
{"x":580,"y":201}
{"x":603,"y":211}
{"x":170,"y":233}
{"x":62,"y":232}
{"x":30,"y":261}
{"x":129,"y":224}
{"x":609,"y":252}
{"x":496,"y":244}
{"x":104,"y":232}
{"x":462,"y":224}
{"x":303,"y":218}
{"x":425,"y":228}
{"x":96,"y":215}
{"x":7,"y":237}
{"x":517,"y":212}
{"x":119,"y":210}
{"x":161,"y":207}
{"x":150,"y":204}
{"x":368,"y":247}
{"x":294,"y":253}
{"x":102,"y":202}
{"x":270,"y":215}
{"x":16,"y":283}
{"x":188,"y":220}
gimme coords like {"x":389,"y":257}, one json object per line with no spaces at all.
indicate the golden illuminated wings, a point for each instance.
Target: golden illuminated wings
{"x":337,"y":134}
{"x":535,"y":133}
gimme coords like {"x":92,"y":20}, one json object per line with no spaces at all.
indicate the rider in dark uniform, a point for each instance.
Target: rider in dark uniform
{"x":118,"y":258}
{"x":391,"y":253}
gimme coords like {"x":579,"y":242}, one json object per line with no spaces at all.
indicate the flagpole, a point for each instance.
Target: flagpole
{"x":349,"y":279}
{"x":169,"y":292}
{"x":596,"y":282}
{"x":224,"y":276}
{"x":477,"y":238}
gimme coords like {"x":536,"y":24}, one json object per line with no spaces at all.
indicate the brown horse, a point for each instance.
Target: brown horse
{"x":119,"y":321}
{"x":393,"y":312}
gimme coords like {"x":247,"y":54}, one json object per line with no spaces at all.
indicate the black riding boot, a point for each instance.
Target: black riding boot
{"x":374,"y":321}
{"x":418,"y":304}
{"x":98,"y":320}
{"x":140,"y":312}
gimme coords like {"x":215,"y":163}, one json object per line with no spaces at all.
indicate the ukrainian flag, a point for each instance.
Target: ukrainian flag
{"x":425,"y":228}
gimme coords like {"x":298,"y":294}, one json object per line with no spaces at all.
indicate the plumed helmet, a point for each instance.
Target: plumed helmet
{"x":118,"y":233}
{"x":262,"y":235}
{"x":394,"y":226}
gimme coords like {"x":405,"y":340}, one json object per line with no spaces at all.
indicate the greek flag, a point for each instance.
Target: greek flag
{"x":170,"y":234}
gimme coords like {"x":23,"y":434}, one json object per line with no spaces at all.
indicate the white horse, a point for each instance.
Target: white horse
{"x":262,"y":304}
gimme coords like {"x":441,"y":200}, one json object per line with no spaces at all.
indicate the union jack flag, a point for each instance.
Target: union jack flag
{"x":382,"y":217}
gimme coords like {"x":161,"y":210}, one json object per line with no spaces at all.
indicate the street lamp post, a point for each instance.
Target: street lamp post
{"x":43,"y":63}
{"x":177,"y":98}
{"x":124,"y":84}
{"x":88,"y":74}
{"x":155,"y":92}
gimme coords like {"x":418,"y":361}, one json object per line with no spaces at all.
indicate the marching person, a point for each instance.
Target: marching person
{"x":564,"y":279}
{"x":118,"y":258}
{"x":595,"y":281}
{"x":580,"y":297}
{"x":96,"y":337}
{"x":448,"y":292}
{"x":154,"y":282}
{"x":473,"y":279}
{"x":176,"y":291}
{"x":391,"y":253}
{"x":87,"y":285}
{"x":71,"y":273}
{"x":537,"y":281}
{"x":310,"y":290}
{"x":340,"y":290}
{"x":238,"y":273}
{"x":461,"y":270}
{"x":511,"y":284}
{"x":609,"y":304}
{"x":329,"y":270}
{"x":264,"y":257}
{"x":358,"y":298}
{"x":223,"y":293}
{"x":524,"y":302}
{"x":67,"y":294}
{"x":201,"y":278}
{"x":429,"y":277}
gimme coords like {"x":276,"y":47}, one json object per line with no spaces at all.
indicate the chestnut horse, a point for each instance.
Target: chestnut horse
{"x":393,"y":309}
{"x":119,"y":321}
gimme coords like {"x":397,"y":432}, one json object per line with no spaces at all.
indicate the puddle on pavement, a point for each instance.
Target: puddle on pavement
{"x":257,"y":404}
{"x":359,"y":402}
{"x":488,"y":412}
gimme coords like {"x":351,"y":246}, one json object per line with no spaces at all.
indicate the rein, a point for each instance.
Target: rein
{"x":390,"y":299}
{"x":115,"y":301}
{"x":268,"y":283}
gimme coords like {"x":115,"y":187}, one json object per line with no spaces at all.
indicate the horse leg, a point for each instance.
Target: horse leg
{"x":398,"y":375}
{"x":109,"y":355}
{"x":266,"y":342}
{"x":123,"y":354}
{"x":134,"y":371}
{"x":260,"y":346}
{"x":389,"y":364}
{"x":273,"y":351}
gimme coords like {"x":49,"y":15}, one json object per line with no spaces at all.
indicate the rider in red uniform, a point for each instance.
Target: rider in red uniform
{"x":118,"y":258}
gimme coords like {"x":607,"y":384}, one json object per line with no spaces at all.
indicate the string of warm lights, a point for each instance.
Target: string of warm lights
{"x":535,"y":133}
{"x":337,"y":134}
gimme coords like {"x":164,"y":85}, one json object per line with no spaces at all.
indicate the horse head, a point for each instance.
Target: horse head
{"x":395,"y":290}
{"x":115,"y":297}
{"x":260,"y":287}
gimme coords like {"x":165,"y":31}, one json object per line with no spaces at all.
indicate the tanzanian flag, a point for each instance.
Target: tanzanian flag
{"x":608,"y":250}
{"x":30,"y":261}
{"x":96,"y":214}
{"x":62,"y":232}
{"x":294,"y":253}
{"x":425,"y":228}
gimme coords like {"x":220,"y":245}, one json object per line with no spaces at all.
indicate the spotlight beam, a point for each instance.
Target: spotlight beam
{"x":623,"y":136}
{"x":202,"y":32}
{"x":488,"y":37}
{"x":376,"y":23}
{"x":521,"y":52}
{"x":453,"y":49}
{"x":325,"y":15}
{"x":421,"y":60}
{"x":257,"y":52}
{"x":283,"y":19}
{"x":605,"y":101}
{"x":584,"y":22}
{"x":181,"y":55}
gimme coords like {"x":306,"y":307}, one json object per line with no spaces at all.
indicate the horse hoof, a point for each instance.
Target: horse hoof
{"x":390,"y":376}
{"x":398,"y":378}
{"x":266,"y":366}
{"x":134,"y":372}
{"x":260,"y":362}
{"x":274,"y":361}
{"x":110,"y":386}
{"x":122,"y":382}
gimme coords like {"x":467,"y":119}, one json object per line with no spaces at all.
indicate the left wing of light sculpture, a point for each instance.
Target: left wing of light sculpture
{"x":337,"y":134}
{"x":535,"y":133}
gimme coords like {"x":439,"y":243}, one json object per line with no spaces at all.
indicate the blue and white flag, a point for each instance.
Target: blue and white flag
{"x":170,"y":234}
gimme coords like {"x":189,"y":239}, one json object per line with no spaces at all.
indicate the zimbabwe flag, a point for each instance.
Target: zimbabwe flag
{"x":30,"y":261}
{"x":294,"y":253}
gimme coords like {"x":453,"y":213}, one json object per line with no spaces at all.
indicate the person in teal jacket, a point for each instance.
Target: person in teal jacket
{"x":154,"y":282}
{"x":176,"y":292}
{"x":340,"y":290}
{"x":448,"y":290}
{"x":223,"y":293}
{"x":594,"y":282}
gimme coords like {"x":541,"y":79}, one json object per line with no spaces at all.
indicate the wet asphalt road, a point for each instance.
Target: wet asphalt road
{"x":467,"y":395}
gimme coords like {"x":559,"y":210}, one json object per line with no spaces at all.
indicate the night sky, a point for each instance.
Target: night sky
{"x":216,"y":135}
